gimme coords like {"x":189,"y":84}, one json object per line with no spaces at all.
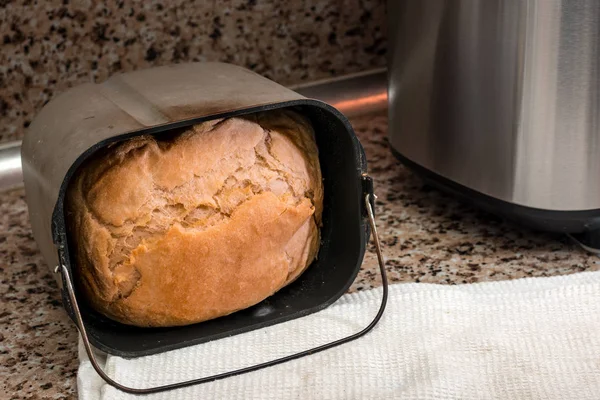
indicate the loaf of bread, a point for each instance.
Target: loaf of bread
{"x":196,"y":224}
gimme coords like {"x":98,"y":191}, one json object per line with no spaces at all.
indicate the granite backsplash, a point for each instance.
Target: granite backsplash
{"x":51,"y":45}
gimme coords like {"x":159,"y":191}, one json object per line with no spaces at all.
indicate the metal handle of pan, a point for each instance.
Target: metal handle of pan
{"x":369,"y":199}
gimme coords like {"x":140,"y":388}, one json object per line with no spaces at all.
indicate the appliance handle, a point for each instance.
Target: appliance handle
{"x":369,"y":199}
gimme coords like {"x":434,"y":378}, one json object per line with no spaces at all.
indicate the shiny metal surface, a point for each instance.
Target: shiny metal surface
{"x":11,"y":174}
{"x":353,"y":95}
{"x":502,"y":96}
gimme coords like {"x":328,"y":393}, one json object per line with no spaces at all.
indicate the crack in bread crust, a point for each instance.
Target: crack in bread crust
{"x":271,"y":159}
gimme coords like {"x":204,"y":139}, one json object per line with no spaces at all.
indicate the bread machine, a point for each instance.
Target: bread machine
{"x":497,"y":101}
{"x":89,"y":117}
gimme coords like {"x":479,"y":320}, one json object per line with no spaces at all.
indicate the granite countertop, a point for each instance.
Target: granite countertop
{"x":52,"y":45}
{"x":427,"y":237}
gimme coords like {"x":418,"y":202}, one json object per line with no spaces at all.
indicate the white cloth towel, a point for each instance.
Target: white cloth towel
{"x":523,"y":339}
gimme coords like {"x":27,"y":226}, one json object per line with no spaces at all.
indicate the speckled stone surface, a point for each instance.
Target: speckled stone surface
{"x":38,"y":351}
{"x":427,"y":237}
{"x":51,"y":45}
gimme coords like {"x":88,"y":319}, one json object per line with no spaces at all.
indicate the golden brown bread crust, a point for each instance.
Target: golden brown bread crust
{"x":197,"y":225}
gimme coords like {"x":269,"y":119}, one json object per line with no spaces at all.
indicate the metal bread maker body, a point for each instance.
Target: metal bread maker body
{"x":89,"y":117}
{"x":497,"y":101}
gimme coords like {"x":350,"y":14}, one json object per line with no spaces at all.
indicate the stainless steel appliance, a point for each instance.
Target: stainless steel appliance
{"x":499,"y":100}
